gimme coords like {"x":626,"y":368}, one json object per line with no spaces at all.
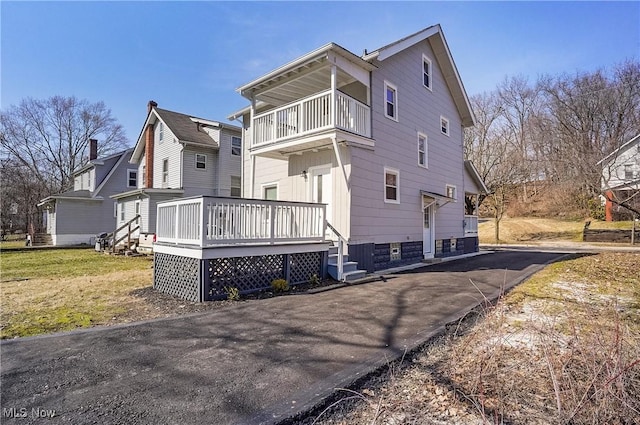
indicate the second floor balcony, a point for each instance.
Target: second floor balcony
{"x":320,"y":98}
{"x":310,"y":116}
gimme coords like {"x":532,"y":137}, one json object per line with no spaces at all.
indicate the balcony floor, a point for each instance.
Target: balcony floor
{"x":318,"y":140}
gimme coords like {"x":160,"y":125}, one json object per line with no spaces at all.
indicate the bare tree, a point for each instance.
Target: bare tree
{"x":489,"y":145}
{"x":19,"y":193}
{"x":519,"y":103}
{"x":590,"y":115}
{"x":50,"y":137}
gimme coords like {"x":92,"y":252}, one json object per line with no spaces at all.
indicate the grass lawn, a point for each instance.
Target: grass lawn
{"x":47,"y":291}
{"x":532,"y":230}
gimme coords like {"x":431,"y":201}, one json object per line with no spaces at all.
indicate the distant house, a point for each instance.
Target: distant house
{"x":178,"y":155}
{"x":621,"y":177}
{"x":77,"y":216}
{"x":378,"y":138}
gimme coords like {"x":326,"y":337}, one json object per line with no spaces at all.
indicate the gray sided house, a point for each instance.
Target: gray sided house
{"x":378,"y":138}
{"x":77,"y":216}
{"x":350,"y":164}
{"x":178,"y":155}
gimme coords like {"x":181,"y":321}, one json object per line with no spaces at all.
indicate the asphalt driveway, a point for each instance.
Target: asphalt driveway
{"x":258,"y":362}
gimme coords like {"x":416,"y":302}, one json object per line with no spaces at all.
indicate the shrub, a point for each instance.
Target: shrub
{"x":279,"y":285}
{"x":314,"y":279}
{"x":233,"y":293}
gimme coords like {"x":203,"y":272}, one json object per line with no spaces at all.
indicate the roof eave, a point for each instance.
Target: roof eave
{"x":460,"y":96}
{"x":245,"y":90}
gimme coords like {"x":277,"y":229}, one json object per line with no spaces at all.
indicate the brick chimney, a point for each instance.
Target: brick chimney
{"x":93,"y":149}
{"x":148,"y":149}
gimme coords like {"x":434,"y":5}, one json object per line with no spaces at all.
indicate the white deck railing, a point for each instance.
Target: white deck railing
{"x":309,"y":115}
{"x":470,"y":224}
{"x":210,"y":221}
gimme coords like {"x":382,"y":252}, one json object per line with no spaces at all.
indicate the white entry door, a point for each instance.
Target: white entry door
{"x":427,"y":228}
{"x":321,"y":189}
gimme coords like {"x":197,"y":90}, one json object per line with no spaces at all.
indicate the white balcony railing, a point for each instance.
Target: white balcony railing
{"x":309,"y":115}
{"x":209,"y":221}
{"x":470,"y":224}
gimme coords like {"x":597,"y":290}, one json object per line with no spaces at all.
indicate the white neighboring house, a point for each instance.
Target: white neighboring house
{"x":75,"y":217}
{"x":621,"y":176}
{"x":378,"y":138}
{"x":178,"y":155}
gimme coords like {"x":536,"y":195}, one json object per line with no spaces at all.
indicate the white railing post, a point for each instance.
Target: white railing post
{"x":176,"y":223}
{"x":203,"y":223}
{"x":272,"y":224}
{"x":340,"y":261}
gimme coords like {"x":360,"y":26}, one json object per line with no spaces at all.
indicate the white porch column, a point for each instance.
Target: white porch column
{"x":252,"y":157}
{"x":334,"y":88}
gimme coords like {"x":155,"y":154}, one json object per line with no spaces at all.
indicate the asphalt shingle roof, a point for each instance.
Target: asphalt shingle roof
{"x":184,"y":128}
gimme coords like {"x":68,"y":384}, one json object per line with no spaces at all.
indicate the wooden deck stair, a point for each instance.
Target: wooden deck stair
{"x":42,"y":239}
{"x":350,"y":271}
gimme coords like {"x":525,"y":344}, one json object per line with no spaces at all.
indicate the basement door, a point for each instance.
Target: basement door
{"x":428,"y":245}
{"x":321,"y":189}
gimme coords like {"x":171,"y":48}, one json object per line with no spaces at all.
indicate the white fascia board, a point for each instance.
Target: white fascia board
{"x":140,"y":144}
{"x":311,"y":56}
{"x":385,"y":52}
{"x":622,"y":148}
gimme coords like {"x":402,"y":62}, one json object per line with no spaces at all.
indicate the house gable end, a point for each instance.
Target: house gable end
{"x":443,"y":57}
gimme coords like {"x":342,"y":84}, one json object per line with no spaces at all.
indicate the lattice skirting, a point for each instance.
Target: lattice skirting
{"x":176,"y":275}
{"x":203,"y":280}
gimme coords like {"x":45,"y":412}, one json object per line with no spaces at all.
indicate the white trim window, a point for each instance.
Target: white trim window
{"x":236,"y":145}
{"x":270,"y":191}
{"x":201,"y":161}
{"x":451,"y":191}
{"x":391,"y":186}
{"x":628,"y":172}
{"x":390,"y":101}
{"x":423,"y":150}
{"x":165,"y":172}
{"x":132,"y":178}
{"x":160,"y":132}
{"x":122,"y":215}
{"x":427,"y":72}
{"x":137,"y":211}
{"x":115,"y":209}
{"x":236,"y":186}
{"x":444,"y":125}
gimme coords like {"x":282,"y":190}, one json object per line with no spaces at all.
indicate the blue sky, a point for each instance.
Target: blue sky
{"x":191,"y":56}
